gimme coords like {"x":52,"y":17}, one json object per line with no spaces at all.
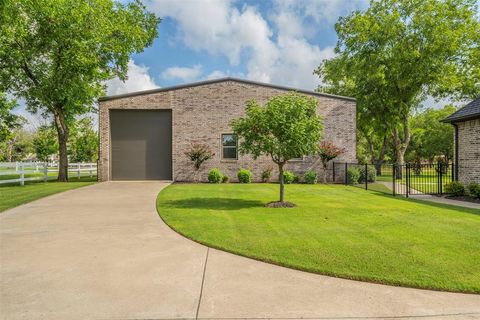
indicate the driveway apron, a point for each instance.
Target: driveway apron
{"x":102,"y":252}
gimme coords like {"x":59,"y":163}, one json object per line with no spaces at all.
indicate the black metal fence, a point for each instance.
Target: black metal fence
{"x":408,"y":179}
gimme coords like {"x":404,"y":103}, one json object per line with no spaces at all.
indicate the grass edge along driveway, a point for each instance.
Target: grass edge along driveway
{"x":15,"y":195}
{"x":335,"y":230}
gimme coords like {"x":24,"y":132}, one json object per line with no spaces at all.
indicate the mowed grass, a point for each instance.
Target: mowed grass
{"x":424,"y":182}
{"x":334,"y":230}
{"x":15,"y":195}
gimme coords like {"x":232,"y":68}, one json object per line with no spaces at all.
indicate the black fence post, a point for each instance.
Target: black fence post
{"x":440,"y":182}
{"x":333,"y":172}
{"x":346,"y":166}
{"x":407,"y":171}
{"x":393,"y":178}
{"x":366,"y":176}
{"x":453,"y":172}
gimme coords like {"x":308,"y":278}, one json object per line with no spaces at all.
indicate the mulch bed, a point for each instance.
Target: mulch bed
{"x":463,"y":198}
{"x":278,"y":204}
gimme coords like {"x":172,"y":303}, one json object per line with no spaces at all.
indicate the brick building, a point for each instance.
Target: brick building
{"x":467,"y":141}
{"x":144,"y":135}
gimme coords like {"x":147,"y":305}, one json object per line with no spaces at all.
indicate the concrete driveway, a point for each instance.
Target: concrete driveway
{"x":102,"y":252}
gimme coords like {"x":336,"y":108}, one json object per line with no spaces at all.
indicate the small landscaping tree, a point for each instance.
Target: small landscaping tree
{"x":198,"y":154}
{"x":327,"y":152}
{"x":286,"y":127}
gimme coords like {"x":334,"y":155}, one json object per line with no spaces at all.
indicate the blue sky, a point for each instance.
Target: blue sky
{"x":277,"y":41}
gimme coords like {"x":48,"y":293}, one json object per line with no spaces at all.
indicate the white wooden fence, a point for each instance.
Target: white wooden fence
{"x":41,"y":171}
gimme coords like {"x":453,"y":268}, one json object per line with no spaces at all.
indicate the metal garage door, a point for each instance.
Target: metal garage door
{"x":141,"y":144}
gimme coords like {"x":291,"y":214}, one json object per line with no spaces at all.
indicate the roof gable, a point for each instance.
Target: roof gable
{"x":469,"y":111}
{"x":207,"y":82}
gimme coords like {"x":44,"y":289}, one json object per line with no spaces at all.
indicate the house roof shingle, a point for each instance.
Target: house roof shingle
{"x":469,"y":111}
{"x":194,"y":84}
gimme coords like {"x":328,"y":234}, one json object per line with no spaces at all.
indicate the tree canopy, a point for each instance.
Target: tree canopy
{"x":395,"y":54}
{"x":57,"y":54}
{"x":286,"y":127}
{"x":84,"y":141}
{"x":45,"y":143}
{"x":8,"y":120}
{"x":432,"y":140}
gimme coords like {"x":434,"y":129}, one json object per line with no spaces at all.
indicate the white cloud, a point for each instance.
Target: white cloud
{"x":321,"y":11}
{"x":277,"y":52}
{"x":274,"y":50}
{"x":138,"y":79}
{"x":216,"y":74}
{"x":183,"y":73}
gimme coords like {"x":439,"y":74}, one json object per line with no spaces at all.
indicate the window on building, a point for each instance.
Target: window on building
{"x":229,"y":146}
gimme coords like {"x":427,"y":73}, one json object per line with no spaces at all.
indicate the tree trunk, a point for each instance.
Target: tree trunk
{"x":325,"y":167}
{"x":401,"y":146}
{"x":62,"y":132}
{"x":282,"y":185}
{"x":378,"y":161}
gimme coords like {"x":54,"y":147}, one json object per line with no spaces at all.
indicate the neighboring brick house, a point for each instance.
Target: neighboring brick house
{"x":144,"y":135}
{"x":467,"y":142}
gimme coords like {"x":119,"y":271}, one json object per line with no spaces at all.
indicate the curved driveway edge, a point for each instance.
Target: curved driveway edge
{"x":102,"y":252}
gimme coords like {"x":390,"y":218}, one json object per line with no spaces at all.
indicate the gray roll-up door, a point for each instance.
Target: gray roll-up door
{"x":141,"y":144}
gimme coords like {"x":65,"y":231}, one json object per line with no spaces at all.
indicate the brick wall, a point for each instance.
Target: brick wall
{"x":469,"y":151}
{"x":201,"y":114}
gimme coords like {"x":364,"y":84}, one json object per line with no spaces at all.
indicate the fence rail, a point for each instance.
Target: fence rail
{"x":21,"y":172}
{"x":408,"y":179}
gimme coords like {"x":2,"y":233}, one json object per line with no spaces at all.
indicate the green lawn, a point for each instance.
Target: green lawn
{"x":335,"y":230}
{"x":374,"y":186}
{"x":12,"y":196}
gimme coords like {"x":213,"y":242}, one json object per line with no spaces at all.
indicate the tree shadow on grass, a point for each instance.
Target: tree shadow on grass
{"x":213,"y":203}
{"x":431,"y":204}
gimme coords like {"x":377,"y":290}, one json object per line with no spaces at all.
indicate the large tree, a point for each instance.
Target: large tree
{"x":431,"y":139}
{"x":397,"y":52}
{"x":57,"y":54}
{"x":373,"y":123}
{"x":287,"y":127}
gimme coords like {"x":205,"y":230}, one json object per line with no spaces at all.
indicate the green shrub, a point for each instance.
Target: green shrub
{"x":310,"y":177}
{"x":244,"y":176}
{"x":215,"y":176}
{"x":353,"y":174}
{"x":296,"y":179}
{"x":455,"y":188}
{"x":474,"y":190}
{"x":266,"y":174}
{"x":225,"y":179}
{"x":288,"y":177}
{"x":371,"y":174}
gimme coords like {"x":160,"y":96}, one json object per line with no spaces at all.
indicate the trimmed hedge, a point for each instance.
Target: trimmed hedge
{"x":310,"y":177}
{"x":288,"y":177}
{"x":371,"y":174}
{"x":474,"y":190}
{"x":455,"y":188}
{"x":353,"y":174}
{"x":244,"y":176}
{"x":266,"y":175}
{"x":215,"y":176}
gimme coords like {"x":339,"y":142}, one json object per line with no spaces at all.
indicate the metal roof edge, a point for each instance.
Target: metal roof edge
{"x":206,"y":82}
